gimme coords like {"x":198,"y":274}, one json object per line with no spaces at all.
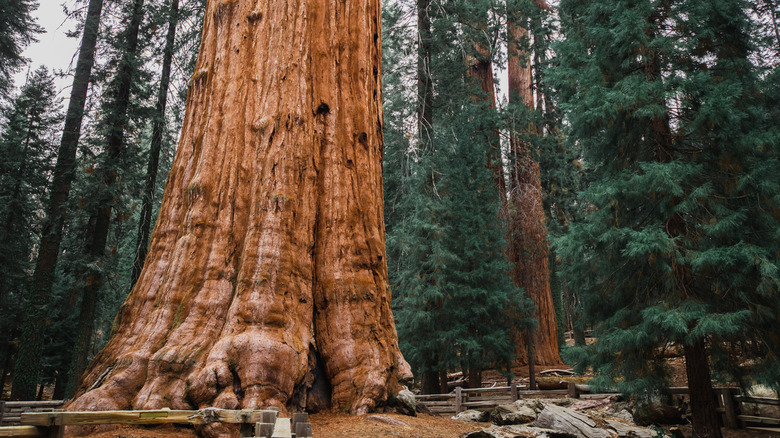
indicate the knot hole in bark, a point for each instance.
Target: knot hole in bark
{"x":363,"y":139}
{"x":237,"y":389}
{"x":323,"y":109}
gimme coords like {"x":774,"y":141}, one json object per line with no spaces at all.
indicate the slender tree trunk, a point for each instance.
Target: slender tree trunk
{"x":706,"y":423}
{"x":28,"y":362}
{"x":270,"y":243}
{"x":424,"y":80}
{"x":7,"y":364}
{"x":100,"y":222}
{"x":443,"y":382}
{"x":430,"y":382}
{"x":527,"y":240}
{"x":145,"y":222}
{"x":475,"y":377}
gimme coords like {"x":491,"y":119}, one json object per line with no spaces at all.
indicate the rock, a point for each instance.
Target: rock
{"x":491,"y":432}
{"x":623,"y":414}
{"x":516,"y":431}
{"x":529,"y":431}
{"x":630,"y":430}
{"x":571,"y":421}
{"x":404,"y":403}
{"x":516,"y":413}
{"x":657,"y":412}
{"x":386,"y":420}
{"x":472,"y":415}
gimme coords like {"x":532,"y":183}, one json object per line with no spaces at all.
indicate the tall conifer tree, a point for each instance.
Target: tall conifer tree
{"x":680,"y":243}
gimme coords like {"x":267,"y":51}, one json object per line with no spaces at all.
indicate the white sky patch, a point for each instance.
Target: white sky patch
{"x":53,"y":49}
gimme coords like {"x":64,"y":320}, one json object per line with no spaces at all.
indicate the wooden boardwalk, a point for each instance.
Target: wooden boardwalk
{"x":253,"y":423}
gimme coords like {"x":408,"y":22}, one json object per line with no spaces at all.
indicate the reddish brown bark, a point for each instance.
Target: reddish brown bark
{"x":527,"y":241}
{"x":269,"y":249}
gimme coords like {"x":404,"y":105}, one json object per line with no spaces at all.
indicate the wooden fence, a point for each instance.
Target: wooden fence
{"x":11,"y":411}
{"x":257,"y":423}
{"x":730,"y":402}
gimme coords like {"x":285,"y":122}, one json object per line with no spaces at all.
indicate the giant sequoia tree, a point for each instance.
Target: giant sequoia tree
{"x":266,"y":280}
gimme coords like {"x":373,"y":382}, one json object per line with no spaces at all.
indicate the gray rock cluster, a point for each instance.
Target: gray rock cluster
{"x":553,"y":419}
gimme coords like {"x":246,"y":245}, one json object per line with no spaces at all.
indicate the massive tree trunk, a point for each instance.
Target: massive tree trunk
{"x":527,"y":240}
{"x":145,"y":222}
{"x":28,"y":363}
{"x":266,"y":276}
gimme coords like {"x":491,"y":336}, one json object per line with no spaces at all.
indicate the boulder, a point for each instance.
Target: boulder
{"x":630,"y":430}
{"x":539,"y":432}
{"x":570,"y":421}
{"x":404,"y":403}
{"x":519,"y":412}
{"x":515,"y":431}
{"x":473,"y":415}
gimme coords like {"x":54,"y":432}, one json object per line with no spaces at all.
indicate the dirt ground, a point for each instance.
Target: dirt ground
{"x":336,"y":425}
{"x":330,"y":425}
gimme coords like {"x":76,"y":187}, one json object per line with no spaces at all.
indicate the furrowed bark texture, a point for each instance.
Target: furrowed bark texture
{"x":527,"y":240}
{"x":267,"y":262}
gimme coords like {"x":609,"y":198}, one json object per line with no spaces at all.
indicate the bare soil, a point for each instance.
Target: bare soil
{"x":327,"y":425}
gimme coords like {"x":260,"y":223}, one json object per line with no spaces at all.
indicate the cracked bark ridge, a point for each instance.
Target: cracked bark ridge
{"x":266,"y":281}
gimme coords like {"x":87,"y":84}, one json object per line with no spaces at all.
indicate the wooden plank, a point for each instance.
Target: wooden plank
{"x":35,"y":404}
{"x":765,"y":429}
{"x":458,"y":399}
{"x":303,"y":430}
{"x":282,"y":428}
{"x":757,"y":400}
{"x":545,"y":392}
{"x":513,"y":392}
{"x":264,"y":430}
{"x":759,"y":420}
{"x":433,"y":396}
{"x":20,"y":431}
{"x":115,"y":417}
{"x":491,"y":389}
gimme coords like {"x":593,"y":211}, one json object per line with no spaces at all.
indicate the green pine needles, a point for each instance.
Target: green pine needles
{"x":680,"y":243}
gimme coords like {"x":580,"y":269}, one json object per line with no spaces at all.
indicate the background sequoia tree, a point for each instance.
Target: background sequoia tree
{"x":266,"y":280}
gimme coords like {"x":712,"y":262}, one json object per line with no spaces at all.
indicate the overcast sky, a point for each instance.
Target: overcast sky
{"x":53,"y":49}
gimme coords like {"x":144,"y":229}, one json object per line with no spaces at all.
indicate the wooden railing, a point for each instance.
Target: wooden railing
{"x":730,"y":402}
{"x":257,"y":423}
{"x":11,"y":411}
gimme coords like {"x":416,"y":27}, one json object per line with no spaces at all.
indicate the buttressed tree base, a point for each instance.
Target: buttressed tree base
{"x":266,"y":280}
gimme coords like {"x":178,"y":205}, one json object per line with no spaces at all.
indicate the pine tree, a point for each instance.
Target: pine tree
{"x":113,"y":127}
{"x":26,"y":145}
{"x":28,"y":363}
{"x":680,"y":242}
{"x":454,"y":273}
{"x":17,"y":30}
{"x":145,"y":220}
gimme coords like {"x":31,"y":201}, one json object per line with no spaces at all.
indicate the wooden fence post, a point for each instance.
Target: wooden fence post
{"x":573,"y":391}
{"x":458,"y":399}
{"x":729,"y":408}
{"x":513,"y":390}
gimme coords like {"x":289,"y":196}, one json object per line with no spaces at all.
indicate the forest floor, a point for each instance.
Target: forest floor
{"x":339,"y":425}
